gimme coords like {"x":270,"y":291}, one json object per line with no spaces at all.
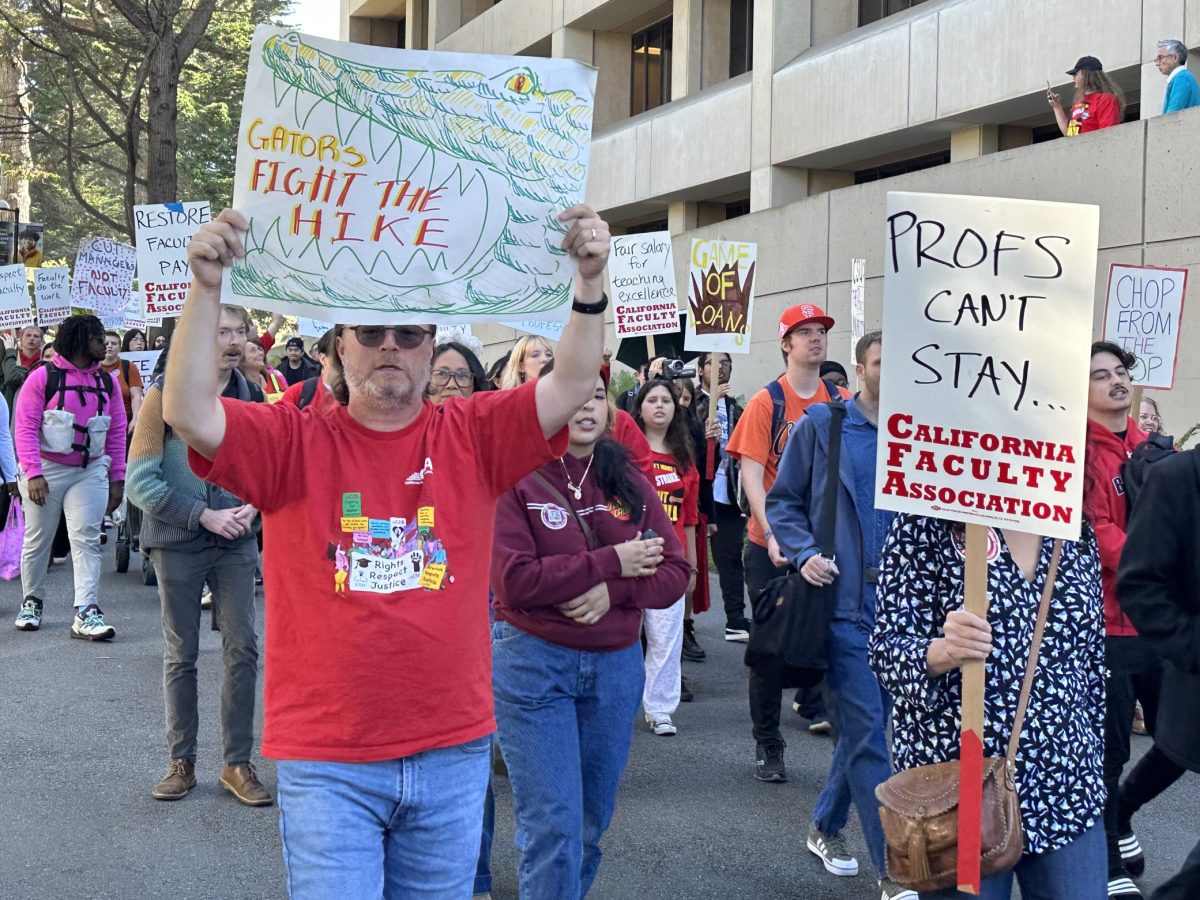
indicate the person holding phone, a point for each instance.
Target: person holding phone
{"x":573,"y":568}
{"x":1098,"y":102}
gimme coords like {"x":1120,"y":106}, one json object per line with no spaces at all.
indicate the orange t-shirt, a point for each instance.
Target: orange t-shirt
{"x":752,"y":437}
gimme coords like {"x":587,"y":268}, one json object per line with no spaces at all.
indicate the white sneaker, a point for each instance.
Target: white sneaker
{"x":88,"y":625}
{"x":889,"y":890}
{"x":661,"y":725}
{"x":206,"y":598}
{"x":30,"y":616}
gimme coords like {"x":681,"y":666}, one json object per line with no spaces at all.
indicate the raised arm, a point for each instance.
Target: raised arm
{"x":191,"y":400}
{"x":577,"y":362}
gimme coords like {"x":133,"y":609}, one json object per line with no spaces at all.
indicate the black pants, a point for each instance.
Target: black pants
{"x":1152,"y":775}
{"x":766,"y":693}
{"x":1134,"y":674}
{"x":727,"y":556}
{"x":1186,"y":884}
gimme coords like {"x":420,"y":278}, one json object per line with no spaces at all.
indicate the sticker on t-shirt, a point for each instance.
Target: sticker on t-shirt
{"x":554,"y":516}
{"x":386,"y":555}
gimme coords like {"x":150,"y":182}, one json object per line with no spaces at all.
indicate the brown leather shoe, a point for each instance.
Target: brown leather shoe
{"x":242,"y":781}
{"x":180,"y":779}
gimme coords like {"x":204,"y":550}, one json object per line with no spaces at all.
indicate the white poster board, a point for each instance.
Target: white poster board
{"x":407,"y":186}
{"x":312,"y":327}
{"x":52,"y":293}
{"x":641,"y":275}
{"x":858,"y":304}
{"x":162,"y":232}
{"x":15,"y":309}
{"x":144,"y":360}
{"x":987,"y":314}
{"x":1142,"y":314}
{"x":720,"y":296}
{"x":103,"y":275}
{"x":551,"y":331}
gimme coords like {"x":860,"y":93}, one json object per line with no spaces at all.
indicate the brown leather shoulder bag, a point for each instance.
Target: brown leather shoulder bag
{"x":919,"y":807}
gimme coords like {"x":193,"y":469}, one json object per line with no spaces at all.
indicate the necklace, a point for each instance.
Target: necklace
{"x":577,"y":489}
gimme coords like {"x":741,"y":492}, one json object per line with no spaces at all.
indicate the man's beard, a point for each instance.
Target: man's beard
{"x":392,"y":393}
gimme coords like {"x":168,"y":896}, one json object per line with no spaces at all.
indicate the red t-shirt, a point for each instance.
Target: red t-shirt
{"x":377,"y":551}
{"x":1097,"y":110}
{"x":291,"y":395}
{"x":678,"y":492}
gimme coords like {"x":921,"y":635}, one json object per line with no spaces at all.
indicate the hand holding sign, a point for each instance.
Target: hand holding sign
{"x":215,"y":246}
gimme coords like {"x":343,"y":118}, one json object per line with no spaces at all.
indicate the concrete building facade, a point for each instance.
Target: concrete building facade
{"x":785,"y":122}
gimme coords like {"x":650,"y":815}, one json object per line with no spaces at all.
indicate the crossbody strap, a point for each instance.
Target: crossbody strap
{"x":833,"y":476}
{"x":1034,"y":649}
{"x":588,"y":535}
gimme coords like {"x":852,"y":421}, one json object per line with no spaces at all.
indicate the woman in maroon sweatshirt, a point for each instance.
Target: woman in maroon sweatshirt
{"x":571,"y":575}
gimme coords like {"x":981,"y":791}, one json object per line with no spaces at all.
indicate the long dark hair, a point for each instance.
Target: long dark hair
{"x":679,"y":436}
{"x":478,"y":376}
{"x":127,"y":339}
{"x":75,"y":334}
{"x":610,"y":462}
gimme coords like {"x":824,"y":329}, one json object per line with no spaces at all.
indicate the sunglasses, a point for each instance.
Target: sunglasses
{"x":407,"y":336}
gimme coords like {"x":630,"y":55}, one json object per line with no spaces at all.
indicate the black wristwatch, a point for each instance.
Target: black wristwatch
{"x":591,"y":309}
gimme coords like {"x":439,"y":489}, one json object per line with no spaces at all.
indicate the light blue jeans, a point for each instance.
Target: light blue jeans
{"x":565,"y":723}
{"x":395,"y":829}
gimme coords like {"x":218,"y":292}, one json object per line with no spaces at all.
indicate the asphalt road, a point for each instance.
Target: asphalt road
{"x":82,"y":744}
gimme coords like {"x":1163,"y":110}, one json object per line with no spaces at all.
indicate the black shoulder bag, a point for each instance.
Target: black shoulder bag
{"x":791,"y":616}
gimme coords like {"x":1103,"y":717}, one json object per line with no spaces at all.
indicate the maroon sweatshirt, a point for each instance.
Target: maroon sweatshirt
{"x":541,"y":559}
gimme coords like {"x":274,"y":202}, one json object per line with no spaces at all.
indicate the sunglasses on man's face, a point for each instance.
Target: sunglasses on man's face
{"x":407,"y":336}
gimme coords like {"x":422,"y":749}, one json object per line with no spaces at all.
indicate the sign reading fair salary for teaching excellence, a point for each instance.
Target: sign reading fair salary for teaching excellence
{"x":988,"y":316}
{"x":1143,"y":314}
{"x":387,"y":186}
{"x":641,"y":274}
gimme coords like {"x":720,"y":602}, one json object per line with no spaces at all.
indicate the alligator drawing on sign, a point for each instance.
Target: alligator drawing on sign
{"x":514,"y":153}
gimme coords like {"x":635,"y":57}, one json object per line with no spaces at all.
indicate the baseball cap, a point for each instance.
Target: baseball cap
{"x":294,"y":342}
{"x":795,"y":316}
{"x":1086,"y":64}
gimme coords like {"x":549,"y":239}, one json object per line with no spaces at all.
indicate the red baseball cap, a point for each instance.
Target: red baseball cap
{"x":795,"y":316}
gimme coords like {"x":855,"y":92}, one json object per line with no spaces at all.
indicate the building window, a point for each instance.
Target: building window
{"x":941,"y":158}
{"x":651,"y":82}
{"x":873,"y":10}
{"x":741,"y":37}
{"x":737,"y":208}
{"x":647,"y":227}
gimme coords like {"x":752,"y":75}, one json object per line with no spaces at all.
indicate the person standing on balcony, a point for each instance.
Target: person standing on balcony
{"x":1183,"y":91}
{"x":1098,"y":102}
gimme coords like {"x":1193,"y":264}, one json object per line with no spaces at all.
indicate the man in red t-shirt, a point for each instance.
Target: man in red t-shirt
{"x":378,"y":513}
{"x":803,"y":341}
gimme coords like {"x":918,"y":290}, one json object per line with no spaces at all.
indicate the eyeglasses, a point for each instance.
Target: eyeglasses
{"x":462,"y":377}
{"x":407,"y":336}
{"x":1148,"y":417}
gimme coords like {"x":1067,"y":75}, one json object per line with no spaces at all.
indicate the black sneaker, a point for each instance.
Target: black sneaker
{"x":768,"y":761}
{"x":692,"y":651}
{"x":1131,"y":852}
{"x":737,"y":630}
{"x":685,"y":691}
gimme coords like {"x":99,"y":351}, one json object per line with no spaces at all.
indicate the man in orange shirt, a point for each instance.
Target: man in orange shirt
{"x":758,"y":442}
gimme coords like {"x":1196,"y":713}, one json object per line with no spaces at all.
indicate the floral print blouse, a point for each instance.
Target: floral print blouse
{"x":1060,"y":754}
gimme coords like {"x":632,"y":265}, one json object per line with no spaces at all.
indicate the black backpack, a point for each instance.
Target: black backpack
{"x":309,"y":391}
{"x":1133,"y":474}
{"x":56,"y":386}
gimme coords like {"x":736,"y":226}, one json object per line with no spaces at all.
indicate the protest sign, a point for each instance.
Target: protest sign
{"x":858,"y":303}
{"x":453,"y":332}
{"x":391,"y":186}
{"x":641,"y":274}
{"x":103,"y":275}
{"x":551,"y":331}
{"x":312,"y":327}
{"x":721,"y":299}
{"x":15,"y":308}
{"x":1142,"y":314}
{"x":134,"y":314}
{"x":988,"y":313}
{"x":52,"y":292}
{"x":144,"y":361}
{"x":162,"y":232}
{"x":31,"y":243}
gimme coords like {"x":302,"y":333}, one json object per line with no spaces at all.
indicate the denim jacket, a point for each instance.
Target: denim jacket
{"x":794,"y":506}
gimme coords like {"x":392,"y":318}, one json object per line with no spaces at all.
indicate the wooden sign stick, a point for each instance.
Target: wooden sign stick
{"x":650,"y":353}
{"x":970,"y":766}
{"x":713,"y":370}
{"x":1135,"y":408}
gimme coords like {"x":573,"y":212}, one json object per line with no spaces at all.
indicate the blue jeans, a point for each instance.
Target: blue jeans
{"x":1078,"y":871}
{"x":394,"y":829}
{"x":860,"y":709}
{"x":483,"y":868}
{"x":565,"y":721}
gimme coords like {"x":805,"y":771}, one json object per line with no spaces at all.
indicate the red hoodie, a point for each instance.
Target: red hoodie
{"x":1105,"y":507}
{"x":540,"y":559}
